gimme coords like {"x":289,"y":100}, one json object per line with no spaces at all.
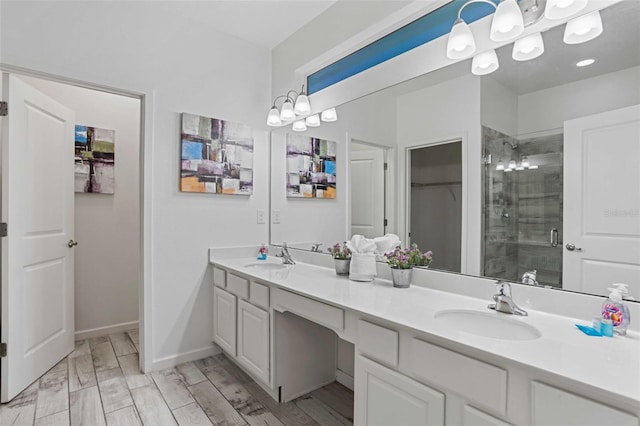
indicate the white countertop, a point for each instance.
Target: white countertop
{"x":609,"y":364}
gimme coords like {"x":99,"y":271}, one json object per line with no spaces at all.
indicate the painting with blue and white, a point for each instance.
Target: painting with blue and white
{"x":216,"y":156}
{"x":94,"y":161}
{"x":311,"y":167}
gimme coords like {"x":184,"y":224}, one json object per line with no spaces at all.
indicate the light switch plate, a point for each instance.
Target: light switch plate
{"x":276,"y":216}
{"x":260,"y":216}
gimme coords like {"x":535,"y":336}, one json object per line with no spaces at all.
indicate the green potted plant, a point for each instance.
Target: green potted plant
{"x":342,"y":257}
{"x":401,"y":261}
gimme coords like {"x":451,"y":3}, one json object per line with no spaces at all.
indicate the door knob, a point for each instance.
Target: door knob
{"x":72,"y":243}
{"x":572,"y":247}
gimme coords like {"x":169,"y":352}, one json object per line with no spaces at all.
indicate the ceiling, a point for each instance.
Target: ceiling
{"x":617,"y":48}
{"x":265,"y":23}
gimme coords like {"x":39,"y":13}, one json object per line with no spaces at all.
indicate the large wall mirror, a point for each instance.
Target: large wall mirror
{"x":534,"y":167}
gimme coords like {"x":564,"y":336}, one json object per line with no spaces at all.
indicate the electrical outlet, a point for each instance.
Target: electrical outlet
{"x":276,"y":216}
{"x":260,"y":216}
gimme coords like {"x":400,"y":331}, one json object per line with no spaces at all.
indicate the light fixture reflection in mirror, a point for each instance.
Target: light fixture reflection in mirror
{"x":583,"y":29}
{"x":485,"y":63}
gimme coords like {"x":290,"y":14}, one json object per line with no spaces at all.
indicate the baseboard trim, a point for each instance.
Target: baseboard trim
{"x":173,"y":360}
{"x":104,"y":331}
{"x":344,"y":379}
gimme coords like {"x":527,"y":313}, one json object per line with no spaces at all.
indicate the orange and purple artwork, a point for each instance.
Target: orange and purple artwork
{"x":217,"y":156}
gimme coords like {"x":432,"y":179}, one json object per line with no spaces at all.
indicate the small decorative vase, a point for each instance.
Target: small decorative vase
{"x":342,"y":266}
{"x":401,"y":277}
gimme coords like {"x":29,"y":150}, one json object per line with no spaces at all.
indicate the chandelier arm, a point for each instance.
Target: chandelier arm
{"x":282,"y":96}
{"x":475,"y":1}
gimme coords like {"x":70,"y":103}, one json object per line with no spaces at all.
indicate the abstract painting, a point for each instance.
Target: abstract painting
{"x":94,"y":160}
{"x":311,"y":167}
{"x":217,"y":156}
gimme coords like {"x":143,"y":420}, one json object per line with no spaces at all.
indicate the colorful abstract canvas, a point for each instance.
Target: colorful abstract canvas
{"x":311,"y":167}
{"x":94,"y":160}
{"x":217,"y":156}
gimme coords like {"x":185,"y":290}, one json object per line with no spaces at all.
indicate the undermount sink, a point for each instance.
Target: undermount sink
{"x":488,"y":324}
{"x":267,"y":266}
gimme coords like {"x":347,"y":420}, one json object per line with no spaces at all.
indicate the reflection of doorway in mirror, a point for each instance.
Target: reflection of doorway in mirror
{"x":436,"y":202}
{"x":368,"y":184}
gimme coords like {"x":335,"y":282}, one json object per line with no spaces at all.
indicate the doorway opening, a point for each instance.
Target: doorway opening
{"x":105,"y":244}
{"x":435,"y":200}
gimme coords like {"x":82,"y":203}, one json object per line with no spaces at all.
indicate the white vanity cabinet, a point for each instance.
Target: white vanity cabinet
{"x":224,"y":320}
{"x":406,"y":373}
{"x":253,"y":339}
{"x":551,"y":406}
{"x":385,"y":397}
{"x":241,"y":324}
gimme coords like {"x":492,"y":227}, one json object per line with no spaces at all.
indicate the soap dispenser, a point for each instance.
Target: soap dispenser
{"x":262,"y":252}
{"x":616,"y":310}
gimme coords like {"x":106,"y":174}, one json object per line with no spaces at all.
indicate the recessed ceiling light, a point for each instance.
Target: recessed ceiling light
{"x":585,"y":62}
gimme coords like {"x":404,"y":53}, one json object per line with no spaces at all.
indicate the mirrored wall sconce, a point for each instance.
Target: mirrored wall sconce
{"x":295,"y":108}
{"x":509,"y":22}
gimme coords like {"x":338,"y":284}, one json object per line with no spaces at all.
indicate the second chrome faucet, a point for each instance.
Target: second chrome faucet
{"x":504,"y":301}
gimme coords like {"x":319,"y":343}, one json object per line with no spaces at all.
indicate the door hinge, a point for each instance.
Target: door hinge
{"x":4,"y":109}
{"x":3,"y":350}
{"x":4,"y":230}
{"x":386,"y":222}
{"x":386,"y":166}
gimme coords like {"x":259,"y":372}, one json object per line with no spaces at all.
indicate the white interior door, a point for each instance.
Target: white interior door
{"x":367,"y":193}
{"x":602,"y":198}
{"x":37,"y":262}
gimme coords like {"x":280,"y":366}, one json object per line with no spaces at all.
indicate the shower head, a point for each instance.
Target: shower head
{"x":512,"y":145}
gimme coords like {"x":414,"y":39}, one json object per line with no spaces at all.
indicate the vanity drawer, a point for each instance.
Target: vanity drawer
{"x":318,"y":312}
{"x":378,"y":342}
{"x":238,"y":286}
{"x":259,"y":294}
{"x":479,"y":382}
{"x":555,"y":407}
{"x":219,"y":277}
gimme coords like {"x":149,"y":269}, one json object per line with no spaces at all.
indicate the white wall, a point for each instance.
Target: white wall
{"x":107,"y":227}
{"x":550,"y":108}
{"x":445,"y":112}
{"x":181,"y":65}
{"x":498,"y":106}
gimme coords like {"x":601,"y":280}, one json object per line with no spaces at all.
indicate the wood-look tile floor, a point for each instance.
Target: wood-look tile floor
{"x":99,"y":383}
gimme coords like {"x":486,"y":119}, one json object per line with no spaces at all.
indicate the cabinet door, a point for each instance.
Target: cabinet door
{"x":253,"y":339}
{"x":385,"y":397}
{"x":555,"y":407}
{"x":224,"y":320}
{"x":473,"y":417}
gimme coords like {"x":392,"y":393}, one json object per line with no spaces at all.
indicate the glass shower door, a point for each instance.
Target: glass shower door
{"x":522,"y":207}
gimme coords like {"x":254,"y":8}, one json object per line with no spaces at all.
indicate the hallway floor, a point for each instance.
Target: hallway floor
{"x":99,"y":383}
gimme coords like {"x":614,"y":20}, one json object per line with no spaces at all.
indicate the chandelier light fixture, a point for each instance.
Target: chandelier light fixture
{"x":560,"y":9}
{"x":524,"y":164}
{"x":583,"y":28}
{"x":509,"y":22}
{"x":295,"y":108}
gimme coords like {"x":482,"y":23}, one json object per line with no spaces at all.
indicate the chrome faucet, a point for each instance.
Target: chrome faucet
{"x":284,"y":254}
{"x":504,"y":302}
{"x":316,"y":248}
{"x":529,"y":278}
